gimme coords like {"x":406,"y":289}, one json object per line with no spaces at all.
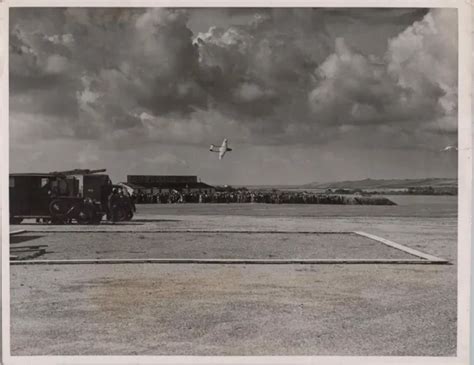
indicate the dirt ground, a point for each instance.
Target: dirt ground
{"x":189,"y":309}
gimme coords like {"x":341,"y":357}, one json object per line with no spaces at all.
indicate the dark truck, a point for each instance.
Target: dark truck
{"x":57,"y":197}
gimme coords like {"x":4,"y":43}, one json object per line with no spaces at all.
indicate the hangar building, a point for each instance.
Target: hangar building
{"x":166,"y":183}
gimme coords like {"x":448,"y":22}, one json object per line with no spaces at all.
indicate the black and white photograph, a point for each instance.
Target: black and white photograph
{"x":223,"y":181}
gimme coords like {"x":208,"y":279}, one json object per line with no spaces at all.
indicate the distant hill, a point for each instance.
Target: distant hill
{"x":384,"y":184}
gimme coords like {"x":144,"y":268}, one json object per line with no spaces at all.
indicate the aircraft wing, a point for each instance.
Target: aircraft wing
{"x":222,"y":152}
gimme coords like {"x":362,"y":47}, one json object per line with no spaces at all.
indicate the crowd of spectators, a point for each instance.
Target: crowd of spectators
{"x":249,"y":196}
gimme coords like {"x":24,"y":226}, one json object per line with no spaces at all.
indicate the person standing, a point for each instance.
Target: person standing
{"x":114,"y":206}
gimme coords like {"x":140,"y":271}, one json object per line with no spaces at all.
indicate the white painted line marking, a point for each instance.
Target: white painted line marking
{"x":425,"y":258}
{"x":224,"y":261}
{"x":400,"y":247}
{"x":19,"y":231}
{"x":185,"y":231}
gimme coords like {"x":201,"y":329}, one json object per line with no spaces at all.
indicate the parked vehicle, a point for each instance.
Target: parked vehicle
{"x":57,"y":197}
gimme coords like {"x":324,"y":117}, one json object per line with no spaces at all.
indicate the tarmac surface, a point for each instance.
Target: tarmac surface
{"x":216,"y":309}
{"x":208,"y":245}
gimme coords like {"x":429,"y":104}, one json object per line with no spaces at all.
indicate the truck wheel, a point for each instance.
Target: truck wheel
{"x":85,"y":215}
{"x":97,"y":218}
{"x":121,"y":215}
{"x":58,"y":209}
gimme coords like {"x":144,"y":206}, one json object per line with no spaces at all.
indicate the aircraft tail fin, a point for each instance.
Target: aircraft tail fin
{"x":211,"y":148}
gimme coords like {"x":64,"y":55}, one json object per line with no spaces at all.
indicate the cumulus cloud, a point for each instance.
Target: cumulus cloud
{"x":424,"y":59}
{"x":249,"y":92}
{"x":413,"y":88}
{"x":128,"y":77}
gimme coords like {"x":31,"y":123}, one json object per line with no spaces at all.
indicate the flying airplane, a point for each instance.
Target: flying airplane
{"x":222,"y":149}
{"x":449,"y":149}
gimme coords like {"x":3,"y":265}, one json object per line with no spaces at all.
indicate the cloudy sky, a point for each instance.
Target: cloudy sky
{"x":302,"y":94}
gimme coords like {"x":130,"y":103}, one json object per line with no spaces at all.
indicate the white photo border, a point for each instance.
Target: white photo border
{"x":465,"y":167}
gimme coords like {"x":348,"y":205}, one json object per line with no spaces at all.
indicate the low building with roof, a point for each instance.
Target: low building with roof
{"x":157,"y":184}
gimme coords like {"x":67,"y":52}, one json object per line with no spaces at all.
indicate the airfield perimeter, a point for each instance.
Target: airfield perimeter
{"x":242,"y":309}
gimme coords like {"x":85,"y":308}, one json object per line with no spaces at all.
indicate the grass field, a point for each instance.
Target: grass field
{"x":173,"y":309}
